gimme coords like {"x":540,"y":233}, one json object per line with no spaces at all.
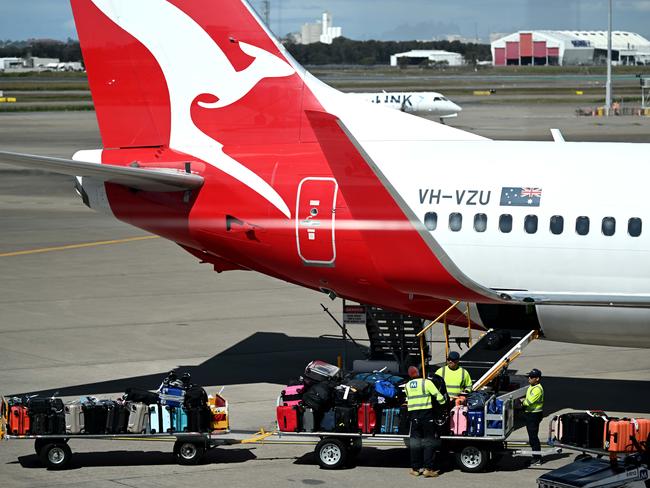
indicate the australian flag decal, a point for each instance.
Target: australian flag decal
{"x":520,"y":197}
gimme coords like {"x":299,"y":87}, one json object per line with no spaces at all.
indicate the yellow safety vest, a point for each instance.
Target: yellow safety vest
{"x":455,"y":380}
{"x":419,"y":393}
{"x":534,"y":401}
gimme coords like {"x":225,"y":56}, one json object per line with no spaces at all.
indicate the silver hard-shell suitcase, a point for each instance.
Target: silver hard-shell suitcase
{"x":74,"y":418}
{"x":138,"y":418}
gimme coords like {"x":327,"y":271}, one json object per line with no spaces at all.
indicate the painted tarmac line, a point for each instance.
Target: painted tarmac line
{"x":76,"y":246}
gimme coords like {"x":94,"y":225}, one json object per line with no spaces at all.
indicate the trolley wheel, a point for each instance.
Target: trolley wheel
{"x":39,"y":444}
{"x":56,"y":455}
{"x":331,"y":453}
{"x":471,"y":459}
{"x":188,"y":453}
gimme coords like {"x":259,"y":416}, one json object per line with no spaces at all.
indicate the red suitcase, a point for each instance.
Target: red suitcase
{"x":18,"y":420}
{"x":288,"y":418}
{"x":367,"y":418}
{"x":618,"y":435}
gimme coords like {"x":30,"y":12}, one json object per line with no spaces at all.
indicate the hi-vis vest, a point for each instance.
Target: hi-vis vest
{"x":534,"y":401}
{"x":419,"y":393}
{"x":455,"y":380}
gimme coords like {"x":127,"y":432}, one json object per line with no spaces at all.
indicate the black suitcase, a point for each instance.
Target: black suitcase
{"x":38,"y":423}
{"x":352,"y":392}
{"x":318,"y":396}
{"x":198,"y":419}
{"x":582,"y":430}
{"x":117,"y":418}
{"x":345,"y":419}
{"x":95,"y":417}
{"x":137,"y":395}
{"x":195,"y":397}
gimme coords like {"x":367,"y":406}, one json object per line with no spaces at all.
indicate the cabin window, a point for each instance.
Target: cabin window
{"x":480,"y":222}
{"x":609,"y":226}
{"x":530,"y":224}
{"x":557,"y":224}
{"x":505,"y":223}
{"x":634,"y":227}
{"x":455,"y":221}
{"x":431,"y":220}
{"x":582,"y":226}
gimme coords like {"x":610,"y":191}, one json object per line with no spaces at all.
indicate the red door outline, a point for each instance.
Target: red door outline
{"x":315,"y":219}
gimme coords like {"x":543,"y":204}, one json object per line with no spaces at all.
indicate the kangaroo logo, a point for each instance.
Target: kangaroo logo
{"x":193,"y":64}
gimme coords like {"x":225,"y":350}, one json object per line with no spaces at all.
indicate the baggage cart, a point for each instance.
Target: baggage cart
{"x":336,"y":450}
{"x":189,"y":447}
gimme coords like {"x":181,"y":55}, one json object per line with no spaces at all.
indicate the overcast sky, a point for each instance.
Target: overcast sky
{"x":378,"y":19}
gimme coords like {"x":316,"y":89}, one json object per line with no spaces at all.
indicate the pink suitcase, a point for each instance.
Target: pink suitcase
{"x":458,"y":420}
{"x":292,"y":395}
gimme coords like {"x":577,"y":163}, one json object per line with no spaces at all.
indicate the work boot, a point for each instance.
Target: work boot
{"x":536,"y":462}
{"x":415,"y":472}
{"x":430,"y":473}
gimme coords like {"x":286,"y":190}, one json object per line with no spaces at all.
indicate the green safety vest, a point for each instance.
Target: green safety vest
{"x":534,"y":401}
{"x":455,"y":380}
{"x":419,"y":393}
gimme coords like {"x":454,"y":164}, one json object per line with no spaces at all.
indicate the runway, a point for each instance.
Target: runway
{"x":90,"y":306}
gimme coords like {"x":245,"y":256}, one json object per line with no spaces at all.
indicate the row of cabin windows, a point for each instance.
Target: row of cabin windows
{"x":531,"y":224}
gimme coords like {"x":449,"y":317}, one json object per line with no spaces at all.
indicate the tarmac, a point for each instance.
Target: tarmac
{"x":90,"y":306}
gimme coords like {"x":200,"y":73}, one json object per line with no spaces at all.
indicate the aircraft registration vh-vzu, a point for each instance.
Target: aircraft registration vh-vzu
{"x":215,"y":138}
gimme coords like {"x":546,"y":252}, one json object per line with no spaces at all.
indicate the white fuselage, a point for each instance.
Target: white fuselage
{"x":430,"y":103}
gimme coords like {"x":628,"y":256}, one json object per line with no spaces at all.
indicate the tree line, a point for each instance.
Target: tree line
{"x":347,"y":51}
{"x":341,"y":51}
{"x":66,"y":51}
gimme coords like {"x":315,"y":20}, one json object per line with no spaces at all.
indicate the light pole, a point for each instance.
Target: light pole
{"x":608,"y":86}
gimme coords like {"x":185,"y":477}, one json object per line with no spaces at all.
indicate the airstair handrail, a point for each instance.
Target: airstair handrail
{"x":434,"y":321}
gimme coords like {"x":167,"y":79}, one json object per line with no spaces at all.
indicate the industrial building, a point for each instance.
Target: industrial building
{"x":321,"y":31}
{"x":569,"y":48}
{"x":419,"y":56}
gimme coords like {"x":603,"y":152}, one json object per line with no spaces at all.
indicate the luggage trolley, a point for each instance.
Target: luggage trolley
{"x":189,"y":447}
{"x":335,"y":450}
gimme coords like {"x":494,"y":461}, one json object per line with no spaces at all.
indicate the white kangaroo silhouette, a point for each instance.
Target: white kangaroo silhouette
{"x":193,"y":64}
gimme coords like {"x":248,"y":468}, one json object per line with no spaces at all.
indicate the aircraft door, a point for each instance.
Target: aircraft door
{"x":315,"y":216}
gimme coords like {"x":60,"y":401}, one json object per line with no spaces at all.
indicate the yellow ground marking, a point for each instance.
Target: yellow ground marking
{"x":76,"y":246}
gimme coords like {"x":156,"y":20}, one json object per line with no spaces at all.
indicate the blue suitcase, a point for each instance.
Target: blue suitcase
{"x":171,"y":396}
{"x":179,"y":420}
{"x":161,"y":419}
{"x":390,"y":421}
{"x":476,"y":422}
{"x":495,"y":407}
{"x":328,"y":422}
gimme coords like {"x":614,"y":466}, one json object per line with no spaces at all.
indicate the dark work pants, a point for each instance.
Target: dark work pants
{"x":532,"y":427}
{"x":424,"y":439}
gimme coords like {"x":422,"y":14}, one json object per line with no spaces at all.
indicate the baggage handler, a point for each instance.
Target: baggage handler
{"x":425,"y":439}
{"x":533,"y":405}
{"x":456,"y":378}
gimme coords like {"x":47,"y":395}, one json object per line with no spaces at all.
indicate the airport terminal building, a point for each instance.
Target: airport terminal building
{"x":569,"y":48}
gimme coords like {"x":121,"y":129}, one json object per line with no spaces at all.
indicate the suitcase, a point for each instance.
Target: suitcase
{"x":319,"y":396}
{"x":555,"y":430}
{"x":19,"y":421}
{"x":138,"y":421}
{"x":94,"y":418}
{"x":642,"y":427}
{"x":160,"y":419}
{"x":619,"y":434}
{"x":582,"y":430}
{"x":47,"y":416}
{"x":390,"y":421}
{"x":180,"y":420}
{"x":495,"y":407}
{"x":195,"y":397}
{"x":321,"y":371}
{"x":172,"y":397}
{"x":309,"y":420}
{"x":74,"y":418}
{"x":115,"y":417}
{"x":366,"y":418}
{"x":458,"y":421}
{"x":219,"y":420}
{"x":292,"y":395}
{"x":138,"y":395}
{"x":328,"y":422}
{"x":345,"y":419}
{"x":476,"y":423}
{"x":352,"y":392}
{"x":288,"y":418}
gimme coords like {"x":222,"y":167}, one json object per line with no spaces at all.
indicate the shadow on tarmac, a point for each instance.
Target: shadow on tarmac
{"x":264,"y":357}
{"x":141,"y":458}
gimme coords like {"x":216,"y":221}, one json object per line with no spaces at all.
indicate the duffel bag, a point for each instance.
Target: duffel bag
{"x":476,"y":400}
{"x":318,"y":396}
{"x":138,"y":395}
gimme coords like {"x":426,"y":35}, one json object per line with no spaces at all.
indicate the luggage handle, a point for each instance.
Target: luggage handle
{"x":598,"y":414}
